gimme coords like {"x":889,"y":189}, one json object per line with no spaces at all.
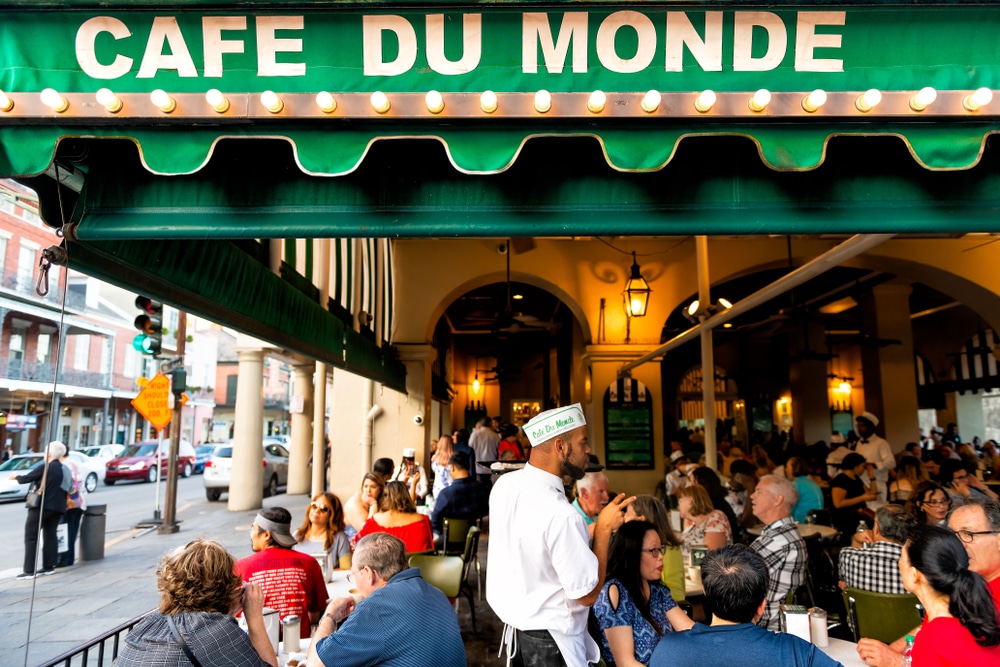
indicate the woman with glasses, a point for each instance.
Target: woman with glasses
{"x":634,"y":610}
{"x":649,"y":508}
{"x":961,"y":625}
{"x":323,"y":531}
{"x":930,"y":504}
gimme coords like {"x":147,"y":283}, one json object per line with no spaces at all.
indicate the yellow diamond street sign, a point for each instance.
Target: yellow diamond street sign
{"x":153,"y":402}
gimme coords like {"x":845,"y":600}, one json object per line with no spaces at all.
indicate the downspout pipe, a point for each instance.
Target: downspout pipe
{"x":371,"y":412}
{"x":852,"y":247}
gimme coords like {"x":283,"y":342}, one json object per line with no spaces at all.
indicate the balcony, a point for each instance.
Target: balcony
{"x":33,"y":371}
{"x":23,"y":285}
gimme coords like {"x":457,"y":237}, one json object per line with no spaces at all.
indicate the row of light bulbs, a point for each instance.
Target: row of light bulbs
{"x":488,"y":101}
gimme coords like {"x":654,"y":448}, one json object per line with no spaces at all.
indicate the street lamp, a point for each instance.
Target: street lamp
{"x":636,"y":292}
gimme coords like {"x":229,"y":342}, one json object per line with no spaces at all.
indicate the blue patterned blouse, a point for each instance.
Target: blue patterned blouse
{"x":645,"y":637}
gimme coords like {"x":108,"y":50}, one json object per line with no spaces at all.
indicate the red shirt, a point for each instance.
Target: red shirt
{"x":417,"y":536}
{"x":994,"y":587}
{"x":292,"y":582}
{"x":945,"y":642}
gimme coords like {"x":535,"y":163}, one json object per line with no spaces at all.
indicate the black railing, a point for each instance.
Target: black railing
{"x":34,"y":371}
{"x":96,"y":648}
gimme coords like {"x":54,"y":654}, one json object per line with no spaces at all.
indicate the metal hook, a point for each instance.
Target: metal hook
{"x":51,"y":255}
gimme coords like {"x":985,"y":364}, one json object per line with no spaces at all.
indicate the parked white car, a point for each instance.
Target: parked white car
{"x":219,"y":469}
{"x":90,"y":468}
{"x":103,"y":453}
{"x":10,"y":489}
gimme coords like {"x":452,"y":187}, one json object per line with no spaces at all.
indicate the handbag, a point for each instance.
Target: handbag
{"x":34,"y":498}
{"x":180,"y":640}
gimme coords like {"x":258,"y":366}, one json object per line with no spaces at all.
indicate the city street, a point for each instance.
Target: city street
{"x":78,"y":603}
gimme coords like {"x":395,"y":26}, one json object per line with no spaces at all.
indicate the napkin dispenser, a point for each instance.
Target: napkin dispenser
{"x":795,"y":621}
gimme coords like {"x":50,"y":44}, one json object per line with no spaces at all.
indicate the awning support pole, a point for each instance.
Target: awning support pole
{"x":852,"y":247}
{"x":707,"y":352}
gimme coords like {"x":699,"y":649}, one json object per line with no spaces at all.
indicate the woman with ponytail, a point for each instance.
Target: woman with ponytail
{"x":961,"y":626}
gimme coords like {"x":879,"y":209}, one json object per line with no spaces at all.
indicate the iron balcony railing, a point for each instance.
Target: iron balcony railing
{"x":23,"y":284}
{"x":36,"y":371}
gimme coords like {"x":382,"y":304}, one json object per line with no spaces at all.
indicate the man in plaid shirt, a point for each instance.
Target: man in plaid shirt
{"x":780,"y":544}
{"x":871,"y":563}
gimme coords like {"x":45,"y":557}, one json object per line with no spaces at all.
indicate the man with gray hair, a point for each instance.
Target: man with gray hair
{"x":871,"y":563}
{"x":48,"y":511}
{"x":780,"y":544}
{"x":401,"y":620}
{"x":485,"y":442}
{"x":591,"y":498}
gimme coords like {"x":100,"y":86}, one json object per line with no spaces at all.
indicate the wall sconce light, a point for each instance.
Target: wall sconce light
{"x":6,"y":104}
{"x":434,"y":102}
{"x":598,"y":100}
{"x":476,"y":385}
{"x":53,"y":100}
{"x":814,"y":100}
{"x":380,"y":102}
{"x":325,"y":102}
{"x":651,"y":101}
{"x":977,"y":100}
{"x":162,"y":101}
{"x":636,"y":292}
{"x":923,"y":98}
{"x":868,"y":100}
{"x":705,"y":102}
{"x":109,"y":100}
{"x":216,"y":100}
{"x":543,"y":101}
{"x":270,"y":101}
{"x":759,"y":100}
{"x":488,"y":101}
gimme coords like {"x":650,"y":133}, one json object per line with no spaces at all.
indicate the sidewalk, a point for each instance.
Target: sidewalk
{"x":78,"y":603}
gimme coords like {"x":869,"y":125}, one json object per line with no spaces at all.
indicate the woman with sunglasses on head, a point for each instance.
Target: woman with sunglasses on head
{"x":634,"y":610}
{"x":961,"y":625}
{"x":323,"y":531}
{"x":930,"y":504}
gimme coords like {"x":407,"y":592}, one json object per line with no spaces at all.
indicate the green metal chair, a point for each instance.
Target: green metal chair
{"x":454,"y":535}
{"x":881,"y":616}
{"x":446,"y":574}
{"x":471,"y":556}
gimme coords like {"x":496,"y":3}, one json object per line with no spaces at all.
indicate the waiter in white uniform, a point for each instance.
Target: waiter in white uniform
{"x":877,"y":452}
{"x":542,"y":576}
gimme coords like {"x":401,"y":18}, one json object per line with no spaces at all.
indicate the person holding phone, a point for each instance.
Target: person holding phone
{"x":411,"y":474}
{"x":959,"y":478}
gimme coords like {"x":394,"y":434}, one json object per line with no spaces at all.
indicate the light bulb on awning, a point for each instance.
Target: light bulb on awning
{"x":923,"y":98}
{"x":109,"y":100}
{"x":705,"y":101}
{"x":270,"y":101}
{"x":814,"y":100}
{"x":325,"y":102}
{"x":488,"y":101}
{"x":868,"y":100}
{"x":53,"y":100}
{"x":760,"y":100}
{"x":598,"y":100}
{"x":216,"y":100}
{"x":162,"y":101}
{"x":380,"y":102}
{"x":434,"y":102}
{"x":978,"y":99}
{"x":6,"y":104}
{"x":651,"y":101}
{"x":543,"y":101}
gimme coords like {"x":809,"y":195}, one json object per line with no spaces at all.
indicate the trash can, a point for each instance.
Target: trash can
{"x":92,"y":529}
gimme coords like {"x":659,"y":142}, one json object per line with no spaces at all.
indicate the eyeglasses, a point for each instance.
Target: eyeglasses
{"x":968,"y":535}
{"x":956,"y":478}
{"x":652,"y":552}
{"x":946,"y":501}
{"x":319,"y":508}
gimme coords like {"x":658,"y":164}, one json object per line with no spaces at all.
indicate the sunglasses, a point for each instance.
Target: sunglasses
{"x":319,"y":508}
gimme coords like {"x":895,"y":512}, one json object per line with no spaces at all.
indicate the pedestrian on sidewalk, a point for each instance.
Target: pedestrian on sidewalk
{"x":76,"y":503}
{"x":48,"y":512}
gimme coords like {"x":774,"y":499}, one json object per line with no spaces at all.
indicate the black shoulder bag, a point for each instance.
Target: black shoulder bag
{"x":180,"y":640}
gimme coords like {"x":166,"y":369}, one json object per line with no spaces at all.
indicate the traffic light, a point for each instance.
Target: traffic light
{"x":150,"y":324}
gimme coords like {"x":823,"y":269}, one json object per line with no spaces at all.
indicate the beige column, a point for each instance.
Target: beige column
{"x":299,"y":477}
{"x":246,"y":485}
{"x":319,"y":430}
{"x":889,"y":375}
{"x":418,"y":358}
{"x":808,"y":379}
{"x":969,"y":412}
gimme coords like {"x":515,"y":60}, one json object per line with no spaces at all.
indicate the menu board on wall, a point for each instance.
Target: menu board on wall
{"x":628,"y":426}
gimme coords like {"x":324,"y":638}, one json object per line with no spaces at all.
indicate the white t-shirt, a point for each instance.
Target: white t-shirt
{"x":540,"y":562}
{"x":876,"y":450}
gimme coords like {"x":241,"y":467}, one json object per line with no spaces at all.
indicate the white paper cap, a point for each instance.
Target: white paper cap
{"x":547,"y":425}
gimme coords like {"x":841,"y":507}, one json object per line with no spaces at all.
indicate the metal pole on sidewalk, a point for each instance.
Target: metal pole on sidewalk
{"x":177,"y":387}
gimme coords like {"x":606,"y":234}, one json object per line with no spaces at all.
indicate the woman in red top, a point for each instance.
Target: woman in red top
{"x":510,"y":448}
{"x":961,"y":627}
{"x":399,"y":518}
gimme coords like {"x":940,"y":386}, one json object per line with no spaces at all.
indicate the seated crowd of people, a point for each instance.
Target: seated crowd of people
{"x":934,"y":534}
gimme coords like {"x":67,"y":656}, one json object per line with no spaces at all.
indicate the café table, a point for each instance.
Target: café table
{"x":693,"y":588}
{"x":805,"y":530}
{"x":844,"y":652}
{"x":339,"y":586}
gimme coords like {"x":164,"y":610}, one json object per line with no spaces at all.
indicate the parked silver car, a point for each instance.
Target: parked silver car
{"x":219,"y":469}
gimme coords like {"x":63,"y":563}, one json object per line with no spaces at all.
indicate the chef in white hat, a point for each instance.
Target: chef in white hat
{"x":876,"y":451}
{"x":543,"y":576}
{"x":410,"y":473}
